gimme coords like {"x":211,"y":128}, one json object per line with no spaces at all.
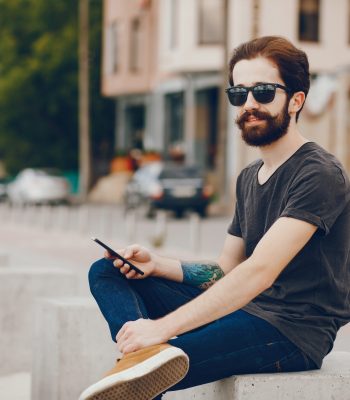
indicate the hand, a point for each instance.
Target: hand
{"x":135,"y":335}
{"x":140,"y":256}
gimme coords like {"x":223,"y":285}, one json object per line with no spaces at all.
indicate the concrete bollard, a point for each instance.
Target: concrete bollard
{"x":61,"y":218}
{"x":195,"y":232}
{"x":130,"y":226}
{"x":29,"y":215}
{"x":44,"y":216}
{"x":73,"y":347}
{"x":105,"y":217}
{"x":4,"y":259}
{"x":117,"y":223}
{"x":83,"y":219}
{"x":160,"y":229}
{"x":18,"y":289}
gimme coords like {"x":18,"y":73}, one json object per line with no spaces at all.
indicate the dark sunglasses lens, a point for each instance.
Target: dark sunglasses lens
{"x":264,"y":93}
{"x":237,"y":97}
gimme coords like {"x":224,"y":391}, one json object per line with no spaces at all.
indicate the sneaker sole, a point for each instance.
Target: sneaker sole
{"x":144,"y":381}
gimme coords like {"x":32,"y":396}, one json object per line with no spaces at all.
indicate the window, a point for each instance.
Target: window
{"x":211,"y":21}
{"x":135,"y":45}
{"x":111,"y":48}
{"x":309,"y":19}
{"x":206,"y":132}
{"x":174,"y":118}
{"x":349,"y":21}
{"x":115,"y":50}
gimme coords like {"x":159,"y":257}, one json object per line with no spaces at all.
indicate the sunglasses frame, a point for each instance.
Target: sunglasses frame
{"x":251,"y":89}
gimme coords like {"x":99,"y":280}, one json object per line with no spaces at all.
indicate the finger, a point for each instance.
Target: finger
{"x":122,"y":331}
{"x":130,"y":348}
{"x":132,"y":250}
{"x":118,"y":263}
{"x":107,"y":255}
{"x":129,"y":252}
{"x":131,"y":274}
{"x":125,"y":269}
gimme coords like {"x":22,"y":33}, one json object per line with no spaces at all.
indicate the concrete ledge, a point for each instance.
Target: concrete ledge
{"x":73,"y":347}
{"x":331,"y":382}
{"x":15,"y":386}
{"x":219,"y":390}
{"x":74,"y":350}
{"x":18,"y":289}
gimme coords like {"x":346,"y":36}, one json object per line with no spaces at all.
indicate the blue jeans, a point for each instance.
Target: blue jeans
{"x":238,"y":343}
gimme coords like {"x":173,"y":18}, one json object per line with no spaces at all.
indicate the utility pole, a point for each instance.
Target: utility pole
{"x":221,"y":157}
{"x":256,"y":15}
{"x":84,"y":129}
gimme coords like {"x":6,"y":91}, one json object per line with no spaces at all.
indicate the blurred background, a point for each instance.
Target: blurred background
{"x":114,"y":123}
{"x":94,"y":90}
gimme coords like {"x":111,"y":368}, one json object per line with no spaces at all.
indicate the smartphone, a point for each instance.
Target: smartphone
{"x":117,"y":255}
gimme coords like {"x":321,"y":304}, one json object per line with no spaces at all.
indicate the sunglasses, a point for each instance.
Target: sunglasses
{"x":263,"y":93}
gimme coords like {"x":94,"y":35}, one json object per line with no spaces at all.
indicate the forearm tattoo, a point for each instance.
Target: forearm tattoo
{"x":202,"y":275}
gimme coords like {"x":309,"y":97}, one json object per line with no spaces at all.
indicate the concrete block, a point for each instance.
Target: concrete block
{"x":74,"y":350}
{"x":73,"y":347}
{"x":18,"y":289}
{"x":331,"y":382}
{"x":15,"y":386}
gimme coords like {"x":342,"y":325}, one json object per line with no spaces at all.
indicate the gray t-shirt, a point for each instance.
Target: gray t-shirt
{"x":310,"y":300}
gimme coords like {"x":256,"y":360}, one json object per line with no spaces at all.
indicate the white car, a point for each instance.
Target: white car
{"x":37,"y":186}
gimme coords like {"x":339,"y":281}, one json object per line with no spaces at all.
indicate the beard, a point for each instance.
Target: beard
{"x":273,"y":128}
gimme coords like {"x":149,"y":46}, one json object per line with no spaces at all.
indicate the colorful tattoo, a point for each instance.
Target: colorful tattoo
{"x":202,"y":275}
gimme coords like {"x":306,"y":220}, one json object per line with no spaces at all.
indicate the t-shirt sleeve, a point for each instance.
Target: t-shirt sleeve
{"x":318,"y":196}
{"x":235,"y":227}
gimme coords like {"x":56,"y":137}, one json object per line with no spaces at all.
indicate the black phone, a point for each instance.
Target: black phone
{"x":117,"y":255}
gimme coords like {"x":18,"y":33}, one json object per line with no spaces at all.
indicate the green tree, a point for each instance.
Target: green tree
{"x":39,"y":81}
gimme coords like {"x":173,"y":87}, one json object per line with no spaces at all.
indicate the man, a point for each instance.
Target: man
{"x":278,"y":293}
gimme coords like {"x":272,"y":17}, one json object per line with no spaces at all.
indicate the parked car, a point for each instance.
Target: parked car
{"x":38,"y":186}
{"x":169,"y":186}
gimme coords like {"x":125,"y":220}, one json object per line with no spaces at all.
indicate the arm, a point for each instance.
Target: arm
{"x":205,"y":274}
{"x":276,"y":249}
{"x":202,"y":274}
{"x":280,"y":244}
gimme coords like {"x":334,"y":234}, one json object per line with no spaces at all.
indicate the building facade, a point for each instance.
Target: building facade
{"x":163,"y":64}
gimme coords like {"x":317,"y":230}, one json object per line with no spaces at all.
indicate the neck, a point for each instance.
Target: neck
{"x":276,"y":153}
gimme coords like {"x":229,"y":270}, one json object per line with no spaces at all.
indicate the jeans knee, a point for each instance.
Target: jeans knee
{"x":98,"y":269}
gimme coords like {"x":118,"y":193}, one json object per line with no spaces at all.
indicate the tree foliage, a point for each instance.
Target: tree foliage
{"x":39,"y":85}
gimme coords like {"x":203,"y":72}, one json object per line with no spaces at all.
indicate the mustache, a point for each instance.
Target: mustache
{"x":255,"y":113}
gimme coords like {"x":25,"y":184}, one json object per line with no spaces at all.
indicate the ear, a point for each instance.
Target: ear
{"x":296,"y":102}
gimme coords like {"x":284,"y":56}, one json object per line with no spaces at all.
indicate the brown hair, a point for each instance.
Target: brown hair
{"x":291,"y":62}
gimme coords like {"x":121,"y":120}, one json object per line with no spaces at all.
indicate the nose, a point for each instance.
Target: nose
{"x":251,"y":103}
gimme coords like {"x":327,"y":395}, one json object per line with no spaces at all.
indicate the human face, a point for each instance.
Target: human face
{"x":261,"y":124}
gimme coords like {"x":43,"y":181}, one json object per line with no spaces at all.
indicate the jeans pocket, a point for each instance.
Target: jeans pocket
{"x":292,"y":362}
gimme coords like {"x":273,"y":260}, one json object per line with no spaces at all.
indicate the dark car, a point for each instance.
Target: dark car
{"x":169,"y":186}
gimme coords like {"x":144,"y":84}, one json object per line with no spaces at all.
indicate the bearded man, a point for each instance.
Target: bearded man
{"x":276,"y":296}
